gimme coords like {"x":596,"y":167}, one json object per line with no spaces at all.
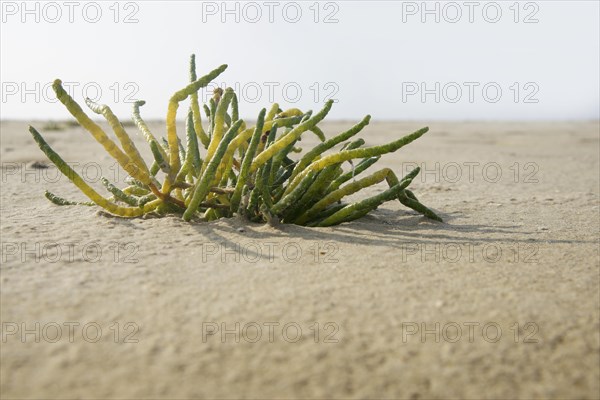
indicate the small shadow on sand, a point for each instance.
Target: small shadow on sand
{"x":383,"y":227}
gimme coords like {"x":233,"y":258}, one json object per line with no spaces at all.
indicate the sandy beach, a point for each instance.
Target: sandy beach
{"x":499,"y":301}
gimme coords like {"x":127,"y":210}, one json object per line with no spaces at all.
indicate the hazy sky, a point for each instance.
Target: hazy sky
{"x":394,"y":60}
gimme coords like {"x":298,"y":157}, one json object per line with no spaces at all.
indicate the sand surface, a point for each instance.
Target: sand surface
{"x":500,"y":301}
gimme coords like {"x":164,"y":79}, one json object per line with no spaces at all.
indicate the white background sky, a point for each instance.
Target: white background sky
{"x":376,"y":56}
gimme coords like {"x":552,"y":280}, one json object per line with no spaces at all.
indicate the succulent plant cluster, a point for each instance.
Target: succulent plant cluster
{"x":257,"y":172}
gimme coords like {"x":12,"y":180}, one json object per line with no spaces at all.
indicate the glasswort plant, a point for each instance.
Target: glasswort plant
{"x":248,"y":171}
